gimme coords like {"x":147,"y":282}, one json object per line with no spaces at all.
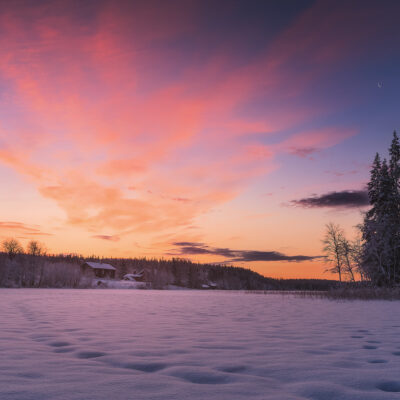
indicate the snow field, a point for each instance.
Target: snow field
{"x":135,"y":344}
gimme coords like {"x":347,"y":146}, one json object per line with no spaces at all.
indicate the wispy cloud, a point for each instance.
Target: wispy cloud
{"x":108,"y":104}
{"x":233,"y":255}
{"x":21,"y":228}
{"x":112,"y":238}
{"x":343,"y":199}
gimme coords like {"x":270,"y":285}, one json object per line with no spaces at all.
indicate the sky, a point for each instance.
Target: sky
{"x":226,"y":132}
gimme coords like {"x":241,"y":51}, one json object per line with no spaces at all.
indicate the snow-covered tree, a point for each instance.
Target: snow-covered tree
{"x":374,"y":185}
{"x":381,"y":228}
{"x":394,"y":172}
{"x":394,"y":164}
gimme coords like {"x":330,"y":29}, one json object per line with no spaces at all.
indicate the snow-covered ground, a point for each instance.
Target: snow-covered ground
{"x":160,"y":345}
{"x":115,"y":284}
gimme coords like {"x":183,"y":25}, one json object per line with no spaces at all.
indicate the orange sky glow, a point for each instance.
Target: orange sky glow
{"x":162,"y":129}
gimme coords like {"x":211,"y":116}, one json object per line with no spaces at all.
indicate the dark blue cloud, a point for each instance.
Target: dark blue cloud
{"x":345,"y":198}
{"x":192,"y":248}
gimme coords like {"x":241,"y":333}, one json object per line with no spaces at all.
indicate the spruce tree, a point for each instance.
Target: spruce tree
{"x":381,"y":229}
{"x":373,"y":185}
{"x":394,"y":164}
{"x":394,"y":172}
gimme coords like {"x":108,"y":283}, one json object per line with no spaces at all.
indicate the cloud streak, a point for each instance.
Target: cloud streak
{"x":21,"y":228}
{"x":105,"y":112}
{"x":343,"y":199}
{"x":112,"y":238}
{"x":104,"y":98}
{"x":232,"y":255}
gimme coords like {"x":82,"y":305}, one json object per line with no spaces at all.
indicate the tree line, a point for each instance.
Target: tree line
{"x":33,"y":267}
{"x":375,"y":254}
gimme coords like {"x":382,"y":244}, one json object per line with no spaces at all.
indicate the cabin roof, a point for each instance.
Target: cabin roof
{"x":95,"y":265}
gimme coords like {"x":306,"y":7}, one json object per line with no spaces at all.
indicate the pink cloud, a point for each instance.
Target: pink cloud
{"x":21,"y":228}
{"x":306,"y":143}
{"x":93,"y":122}
{"x":111,"y":238}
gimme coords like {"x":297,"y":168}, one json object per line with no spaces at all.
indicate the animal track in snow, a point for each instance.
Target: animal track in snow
{"x":59,"y":344}
{"x":377,"y":361}
{"x":90,"y":354}
{"x":233,"y":369}
{"x":201,"y":376}
{"x":389,"y":386}
{"x":146,"y":367}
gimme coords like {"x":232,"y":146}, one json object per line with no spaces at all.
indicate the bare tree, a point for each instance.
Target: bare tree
{"x":35,"y":248}
{"x":12,"y":247}
{"x":357,"y":254}
{"x":346,"y":253}
{"x":333,"y":248}
{"x":36,"y":263}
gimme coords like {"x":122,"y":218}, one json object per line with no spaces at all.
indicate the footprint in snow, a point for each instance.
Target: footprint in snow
{"x":389,"y":386}
{"x":30,"y":375}
{"x":233,"y":369}
{"x":63,"y":350}
{"x":201,"y":377}
{"x":377,"y":361}
{"x":146,"y":367}
{"x":90,"y":354}
{"x":59,"y":344}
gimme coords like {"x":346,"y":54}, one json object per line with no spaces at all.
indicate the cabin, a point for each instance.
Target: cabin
{"x":98,"y":270}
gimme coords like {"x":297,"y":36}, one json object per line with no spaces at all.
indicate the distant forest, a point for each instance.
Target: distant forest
{"x":32,"y":270}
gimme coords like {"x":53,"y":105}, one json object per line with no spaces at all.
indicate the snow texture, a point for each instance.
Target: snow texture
{"x":114,"y":284}
{"x":160,"y":345}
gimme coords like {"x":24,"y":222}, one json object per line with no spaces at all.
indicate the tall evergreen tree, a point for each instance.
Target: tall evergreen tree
{"x":373,"y":185}
{"x":394,"y":171}
{"x":381,"y":229}
{"x":394,"y":163}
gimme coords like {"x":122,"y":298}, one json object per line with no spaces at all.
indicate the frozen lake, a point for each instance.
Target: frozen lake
{"x":131,"y":344}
